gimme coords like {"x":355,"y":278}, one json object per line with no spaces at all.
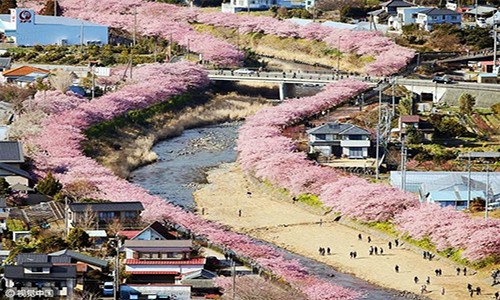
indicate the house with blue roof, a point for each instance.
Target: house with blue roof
{"x":449,"y":188}
{"x":431,"y":17}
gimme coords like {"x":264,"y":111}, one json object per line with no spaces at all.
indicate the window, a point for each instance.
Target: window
{"x":355,"y":137}
{"x":453,"y":17}
{"x":130,"y":214}
{"x":106,"y":215}
{"x":356,"y":152}
{"x":321,"y":137}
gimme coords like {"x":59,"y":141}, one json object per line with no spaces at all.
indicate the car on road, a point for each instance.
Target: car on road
{"x":442,"y":79}
{"x":244,"y":71}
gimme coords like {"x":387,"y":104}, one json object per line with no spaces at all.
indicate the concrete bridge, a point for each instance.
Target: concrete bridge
{"x":486,"y":94}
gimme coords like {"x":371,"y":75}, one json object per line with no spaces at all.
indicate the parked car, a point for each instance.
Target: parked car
{"x":108,"y":288}
{"x":481,"y":23}
{"x":442,"y":79}
{"x":494,"y":205}
{"x":244,"y":71}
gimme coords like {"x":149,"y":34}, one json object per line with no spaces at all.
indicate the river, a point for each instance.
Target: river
{"x":181,"y":167}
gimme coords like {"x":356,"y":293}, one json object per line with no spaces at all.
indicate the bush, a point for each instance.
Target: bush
{"x":16,"y":225}
{"x":311,"y":200}
{"x":496,"y":108}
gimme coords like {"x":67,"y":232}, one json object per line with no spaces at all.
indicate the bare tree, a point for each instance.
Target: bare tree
{"x":115,"y":226}
{"x":86,"y":295}
{"x":61,"y":80}
{"x":80,"y":189}
{"x":88,"y":219}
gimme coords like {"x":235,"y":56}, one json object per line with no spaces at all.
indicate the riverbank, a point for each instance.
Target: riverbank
{"x":126,"y":149}
{"x":303,"y":232}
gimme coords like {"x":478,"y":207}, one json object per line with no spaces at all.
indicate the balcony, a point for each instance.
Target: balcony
{"x":354,"y":143}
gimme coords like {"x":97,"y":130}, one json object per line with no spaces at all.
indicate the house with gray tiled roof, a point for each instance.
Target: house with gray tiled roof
{"x":100,"y":214}
{"x":339,"y":140}
{"x":40,"y":275}
{"x":11,"y":159}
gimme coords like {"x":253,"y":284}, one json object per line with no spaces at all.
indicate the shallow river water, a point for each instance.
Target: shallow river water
{"x":180,"y":167}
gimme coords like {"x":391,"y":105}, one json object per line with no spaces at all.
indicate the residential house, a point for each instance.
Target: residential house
{"x":24,"y":75}
{"x":452,"y":190}
{"x":429,"y":18}
{"x":339,"y":140}
{"x":84,"y":264}
{"x":481,"y":11}
{"x":11,"y":159}
{"x":155,"y":231}
{"x":5,"y":63}
{"x":405,"y":16}
{"x":449,"y":188}
{"x":487,"y":78}
{"x":99,"y":215}
{"x":414,"y":121}
{"x":40,"y":275}
{"x":155,"y":268}
{"x":388,"y":9}
{"x":201,"y":282}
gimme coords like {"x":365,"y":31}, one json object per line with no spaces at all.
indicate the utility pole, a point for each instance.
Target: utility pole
{"x":487,"y":191}
{"x":55,"y":8}
{"x":233,"y":274}
{"x":66,"y":209}
{"x":495,"y":42}
{"x":468,"y":181}
{"x":377,"y":150}
{"x":404,"y":153}
{"x":393,"y":97}
{"x":116,"y":289}
{"x":338,"y":56}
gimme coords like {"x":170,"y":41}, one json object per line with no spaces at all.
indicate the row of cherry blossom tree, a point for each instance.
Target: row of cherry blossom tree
{"x":55,"y":137}
{"x":173,"y":22}
{"x":270,"y":156}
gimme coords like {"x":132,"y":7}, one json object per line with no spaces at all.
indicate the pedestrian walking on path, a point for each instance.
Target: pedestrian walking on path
{"x":360,"y":237}
{"x":458,"y":271}
{"x":239,"y":213}
{"x":442,"y":291}
{"x":465,"y":271}
{"x":390,"y":245}
{"x":415,"y":279}
{"x":396,"y":268}
{"x":369,"y":239}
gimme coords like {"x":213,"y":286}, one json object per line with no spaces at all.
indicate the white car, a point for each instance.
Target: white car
{"x":244,"y":71}
{"x":481,"y":23}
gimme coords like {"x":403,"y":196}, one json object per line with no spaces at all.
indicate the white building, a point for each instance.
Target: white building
{"x":251,"y":5}
{"x":339,"y":140}
{"x":406,"y":16}
{"x":24,"y":28}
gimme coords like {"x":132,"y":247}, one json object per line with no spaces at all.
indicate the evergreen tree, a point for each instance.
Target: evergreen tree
{"x":466,"y":103}
{"x":4,"y":187}
{"x":49,"y":185}
{"x":78,"y":239}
